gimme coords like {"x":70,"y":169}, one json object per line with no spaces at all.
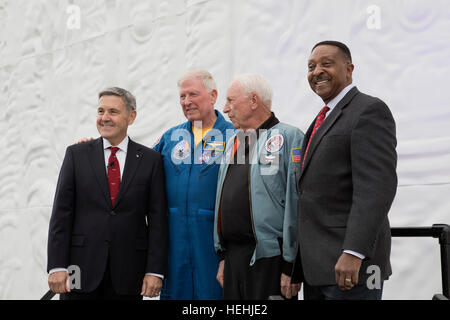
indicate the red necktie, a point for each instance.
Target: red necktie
{"x":319,"y":121}
{"x":113,"y":174}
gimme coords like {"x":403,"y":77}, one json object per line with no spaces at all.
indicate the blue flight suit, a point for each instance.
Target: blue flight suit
{"x":191,"y":182}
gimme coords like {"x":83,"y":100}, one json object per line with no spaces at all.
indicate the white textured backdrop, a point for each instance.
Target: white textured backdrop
{"x":51,"y":72}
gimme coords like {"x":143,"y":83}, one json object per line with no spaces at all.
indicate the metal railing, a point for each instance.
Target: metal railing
{"x":440,"y":231}
{"x":48,"y":295}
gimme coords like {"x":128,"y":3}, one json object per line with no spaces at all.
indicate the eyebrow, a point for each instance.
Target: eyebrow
{"x":323,"y":58}
{"x":190,"y":92}
{"x":107,"y":108}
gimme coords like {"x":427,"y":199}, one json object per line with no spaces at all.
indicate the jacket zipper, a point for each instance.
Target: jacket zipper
{"x":250,"y":203}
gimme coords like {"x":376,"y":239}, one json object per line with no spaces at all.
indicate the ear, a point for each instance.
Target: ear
{"x":254,"y":100}
{"x":350,"y":68}
{"x":132,"y":117}
{"x":213,"y":94}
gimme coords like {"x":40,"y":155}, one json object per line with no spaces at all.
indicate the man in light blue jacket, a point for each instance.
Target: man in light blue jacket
{"x":255,"y":221}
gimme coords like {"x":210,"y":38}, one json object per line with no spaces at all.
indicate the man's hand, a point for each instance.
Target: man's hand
{"x":83,"y":140}
{"x":347,"y":270}
{"x":288,"y":289}
{"x":219,"y":276}
{"x":59,"y":282}
{"x":151,"y":286}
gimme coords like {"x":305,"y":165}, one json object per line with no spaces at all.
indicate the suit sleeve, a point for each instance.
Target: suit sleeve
{"x":373,"y":161}
{"x":290,"y":221}
{"x":60,"y":229}
{"x":157,"y":222}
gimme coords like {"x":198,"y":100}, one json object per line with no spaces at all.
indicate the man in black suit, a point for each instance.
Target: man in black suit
{"x":346,"y":186}
{"x":109,"y":214}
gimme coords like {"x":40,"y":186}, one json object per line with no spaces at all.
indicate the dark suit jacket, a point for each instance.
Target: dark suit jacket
{"x":85,"y":228}
{"x":346,"y":189}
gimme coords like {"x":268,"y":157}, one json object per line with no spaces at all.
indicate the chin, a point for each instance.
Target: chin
{"x":320,"y":92}
{"x":235,"y":125}
{"x":324,"y":96}
{"x":193,"y":118}
{"x":105,"y":136}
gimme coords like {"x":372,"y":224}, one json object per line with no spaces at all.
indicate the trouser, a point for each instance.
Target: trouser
{"x":245,"y":282}
{"x":358,"y":292}
{"x":105,"y":291}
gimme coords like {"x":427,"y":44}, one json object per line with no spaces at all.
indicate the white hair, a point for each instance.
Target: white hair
{"x":257,"y":84}
{"x":203,"y":75}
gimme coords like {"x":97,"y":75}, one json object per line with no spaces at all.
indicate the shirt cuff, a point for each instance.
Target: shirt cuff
{"x":286,"y":268}
{"x":156,"y":275}
{"x":356,"y":254}
{"x":57,"y":270}
{"x":221,"y":254}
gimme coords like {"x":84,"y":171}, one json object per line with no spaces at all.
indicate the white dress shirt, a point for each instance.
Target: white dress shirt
{"x":121,"y":156}
{"x":333,"y":103}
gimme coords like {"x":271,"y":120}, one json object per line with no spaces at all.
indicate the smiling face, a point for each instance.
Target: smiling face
{"x":329,"y":71}
{"x":197,"y":102}
{"x":113,"y":118}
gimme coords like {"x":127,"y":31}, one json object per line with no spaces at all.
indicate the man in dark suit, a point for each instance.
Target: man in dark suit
{"x":109,"y":214}
{"x":346,"y":186}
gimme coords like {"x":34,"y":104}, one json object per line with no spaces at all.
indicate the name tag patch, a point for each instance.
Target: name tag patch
{"x":217,"y":146}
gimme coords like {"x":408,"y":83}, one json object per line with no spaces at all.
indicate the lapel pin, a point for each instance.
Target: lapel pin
{"x":137,"y":156}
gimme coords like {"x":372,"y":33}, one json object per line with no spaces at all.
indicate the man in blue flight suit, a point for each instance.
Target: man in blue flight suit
{"x":192,"y":153}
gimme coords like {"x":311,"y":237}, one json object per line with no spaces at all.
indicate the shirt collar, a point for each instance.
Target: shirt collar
{"x":122,"y":146}
{"x":333,"y":103}
{"x":269,"y":123}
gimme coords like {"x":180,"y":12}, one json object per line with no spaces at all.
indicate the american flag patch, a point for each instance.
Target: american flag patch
{"x":296,"y":152}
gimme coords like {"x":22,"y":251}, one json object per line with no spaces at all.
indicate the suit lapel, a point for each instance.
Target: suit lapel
{"x":326,"y":125}
{"x":97,"y":160}
{"x":134,"y":156}
{"x":304,"y":146}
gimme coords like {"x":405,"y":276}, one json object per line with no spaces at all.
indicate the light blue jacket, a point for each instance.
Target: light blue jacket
{"x":274,"y":170}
